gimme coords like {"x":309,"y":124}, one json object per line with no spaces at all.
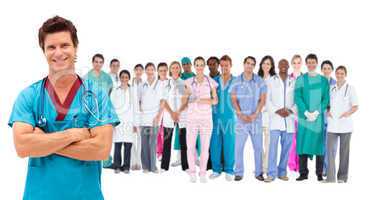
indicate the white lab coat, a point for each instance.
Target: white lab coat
{"x":341,"y":100}
{"x":279,"y":96}
{"x":173,"y":93}
{"x":122,"y":102}
{"x":150,"y":96}
{"x":136,"y":86}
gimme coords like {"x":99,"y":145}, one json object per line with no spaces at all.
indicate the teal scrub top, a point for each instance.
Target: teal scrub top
{"x":103,"y":81}
{"x":57,"y":177}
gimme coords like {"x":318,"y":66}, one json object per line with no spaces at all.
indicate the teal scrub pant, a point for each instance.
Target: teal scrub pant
{"x":222,"y":145}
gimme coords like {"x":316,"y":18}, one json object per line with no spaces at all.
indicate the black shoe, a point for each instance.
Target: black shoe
{"x":301,"y":178}
{"x":260,"y":177}
{"x":238,"y":178}
{"x":320,"y":178}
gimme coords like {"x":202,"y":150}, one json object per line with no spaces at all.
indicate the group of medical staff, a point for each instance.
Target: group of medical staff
{"x":66,"y":124}
{"x":289,"y":117}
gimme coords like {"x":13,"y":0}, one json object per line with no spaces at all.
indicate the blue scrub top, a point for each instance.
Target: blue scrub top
{"x":54,"y":176}
{"x":248,"y":93}
{"x":224,"y":108}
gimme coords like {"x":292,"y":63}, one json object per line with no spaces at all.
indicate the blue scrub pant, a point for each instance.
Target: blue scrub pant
{"x":257,"y":143}
{"x":286,"y":142}
{"x":223,"y":138}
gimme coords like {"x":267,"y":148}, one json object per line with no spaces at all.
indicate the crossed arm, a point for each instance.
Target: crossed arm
{"x":77,"y":143}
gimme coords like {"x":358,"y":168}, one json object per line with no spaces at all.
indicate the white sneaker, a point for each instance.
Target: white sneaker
{"x":269,"y":179}
{"x":214,"y":175}
{"x":176,"y":163}
{"x":229,"y":177}
{"x":203,"y":179}
{"x":193,"y":178}
{"x":163,"y":171}
{"x":145,"y":171}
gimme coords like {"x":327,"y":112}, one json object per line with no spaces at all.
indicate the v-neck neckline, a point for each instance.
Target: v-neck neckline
{"x":62,"y":108}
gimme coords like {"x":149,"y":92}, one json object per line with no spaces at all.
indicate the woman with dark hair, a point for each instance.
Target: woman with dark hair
{"x":343,"y":103}
{"x":162,"y":83}
{"x":122,"y":101}
{"x":266,"y":71}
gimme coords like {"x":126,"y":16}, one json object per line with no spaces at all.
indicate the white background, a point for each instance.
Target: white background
{"x":142,"y":31}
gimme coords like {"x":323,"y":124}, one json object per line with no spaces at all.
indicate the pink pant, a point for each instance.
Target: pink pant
{"x":293,"y":161}
{"x":203,"y":127}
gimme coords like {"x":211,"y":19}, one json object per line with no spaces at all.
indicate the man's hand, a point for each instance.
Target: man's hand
{"x":80,"y":133}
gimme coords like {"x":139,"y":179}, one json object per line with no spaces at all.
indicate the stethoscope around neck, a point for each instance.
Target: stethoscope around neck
{"x":196,"y":84}
{"x":42,"y":120}
{"x":335,"y":88}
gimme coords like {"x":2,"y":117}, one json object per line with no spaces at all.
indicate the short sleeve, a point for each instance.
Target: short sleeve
{"x":263,"y":87}
{"x":233,"y":87}
{"x":23,"y":108}
{"x":353,"y":97}
{"x":213,"y":83}
{"x":106,"y":113}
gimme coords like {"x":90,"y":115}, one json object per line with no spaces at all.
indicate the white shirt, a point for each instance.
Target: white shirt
{"x":341,"y":100}
{"x":136,"y":85}
{"x":150,"y":96}
{"x":280,"y":95}
{"x":122,"y":102}
{"x":173,"y":93}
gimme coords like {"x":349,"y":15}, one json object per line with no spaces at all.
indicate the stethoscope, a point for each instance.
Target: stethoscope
{"x":195,"y":83}
{"x":335,"y":88}
{"x":147,"y":84}
{"x":42,"y":120}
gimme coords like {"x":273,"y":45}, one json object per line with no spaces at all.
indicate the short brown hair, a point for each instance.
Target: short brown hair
{"x":54,"y":25}
{"x":226,"y":58}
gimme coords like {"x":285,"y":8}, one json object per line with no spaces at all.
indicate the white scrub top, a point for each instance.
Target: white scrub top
{"x":150,"y":96}
{"x":123,"y":104}
{"x":341,"y":100}
{"x":173,"y":93}
{"x":280,"y":94}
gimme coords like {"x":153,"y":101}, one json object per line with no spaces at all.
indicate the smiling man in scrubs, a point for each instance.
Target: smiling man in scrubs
{"x":64,"y":141}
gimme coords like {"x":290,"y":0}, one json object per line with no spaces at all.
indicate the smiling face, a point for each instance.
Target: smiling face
{"x":138,"y":72}
{"x":163,"y":71}
{"x":213,"y":65}
{"x":124,"y":79}
{"x":327,"y":70}
{"x":283,"y":66}
{"x":311,"y":64}
{"x":225,"y":66}
{"x":97,"y":63}
{"x":249,"y":66}
{"x":266,"y":66}
{"x":199,"y":66}
{"x":150,"y":72}
{"x":340,"y":75}
{"x":296,"y":64}
{"x":175,"y":70}
{"x":59,"y":51}
{"x":114,"y":67}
